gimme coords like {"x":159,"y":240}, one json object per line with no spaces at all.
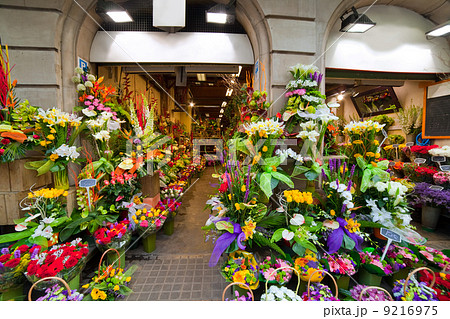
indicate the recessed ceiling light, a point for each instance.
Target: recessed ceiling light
{"x":201,"y":76}
{"x":119,"y":16}
{"x":340,"y":97}
{"x":191,"y":104}
{"x":207,"y":114}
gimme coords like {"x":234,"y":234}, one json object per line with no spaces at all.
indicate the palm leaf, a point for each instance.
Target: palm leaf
{"x":263,"y":241}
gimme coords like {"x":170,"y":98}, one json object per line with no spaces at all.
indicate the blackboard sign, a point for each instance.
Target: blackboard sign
{"x":87,"y":183}
{"x":436,"y":120}
{"x":390,"y":234}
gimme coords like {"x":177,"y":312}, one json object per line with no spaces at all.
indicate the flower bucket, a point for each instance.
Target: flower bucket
{"x":430,"y":217}
{"x":399,"y":275}
{"x":61,"y":179}
{"x":236,"y":286}
{"x":168,"y":227}
{"x":115,"y":258}
{"x":13,"y":293}
{"x":149,"y":243}
{"x":367,"y":278}
{"x":52,"y":279}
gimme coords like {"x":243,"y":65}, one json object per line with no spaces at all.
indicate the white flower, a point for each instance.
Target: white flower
{"x":312,"y":135}
{"x":113,"y":125}
{"x":88,"y":84}
{"x":333,"y":105}
{"x":46,"y":232}
{"x":89,"y":113}
{"x":20,"y":227}
{"x":405,"y":219}
{"x":91,"y":77}
{"x":67,"y":152}
{"x":48,"y":220}
{"x":381,"y":187}
{"x":102,"y":135}
{"x":76,"y":79}
{"x":78,"y":70}
{"x":297,"y":220}
{"x":81,"y":87}
{"x":346,"y":194}
{"x":287,"y":235}
{"x":339,"y":188}
{"x":310,"y":125}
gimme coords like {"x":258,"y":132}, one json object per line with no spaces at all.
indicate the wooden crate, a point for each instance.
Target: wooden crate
{"x":150,"y":185}
{"x":9,"y":206}
{"x":16,"y":178}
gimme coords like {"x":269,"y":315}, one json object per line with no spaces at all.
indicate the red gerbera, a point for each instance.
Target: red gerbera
{"x":12,"y":263}
{"x":32,"y":267}
{"x":71,"y":262}
{"x":23,"y":248}
{"x":4,"y":258}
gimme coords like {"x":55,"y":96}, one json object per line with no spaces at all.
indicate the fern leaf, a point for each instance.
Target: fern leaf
{"x":263,"y":241}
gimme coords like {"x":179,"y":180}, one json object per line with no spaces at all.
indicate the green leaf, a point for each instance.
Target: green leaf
{"x":39,"y":240}
{"x":6,"y":238}
{"x":299,"y":170}
{"x":311,"y":175}
{"x":299,"y":249}
{"x":285,"y":179}
{"x":348,"y":242}
{"x":264,"y":183}
{"x":272,"y":161}
{"x":277,"y":235}
{"x":224,"y":225}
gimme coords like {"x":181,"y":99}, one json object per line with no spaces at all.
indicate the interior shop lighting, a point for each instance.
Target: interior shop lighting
{"x":440,"y":30}
{"x":340,"y":96}
{"x":201,"y":76}
{"x":114,"y":11}
{"x":355,"y":22}
{"x":221,"y":111}
{"x":221,"y":13}
{"x":239,"y":72}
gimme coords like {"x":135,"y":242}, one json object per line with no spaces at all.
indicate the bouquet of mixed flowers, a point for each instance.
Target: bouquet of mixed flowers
{"x":170,"y":206}
{"x":275,"y":293}
{"x":372,"y":262}
{"x":442,"y":285}
{"x":173,"y":192}
{"x":371,"y":294}
{"x":267,"y":271}
{"x":307,"y":265}
{"x":341,"y":264}
{"x":121,"y":187}
{"x":64,"y":261}
{"x":149,"y":220}
{"x":58,"y":293}
{"x":319,"y":292}
{"x":442,"y":179}
{"x":46,"y":216}
{"x":423,"y":195}
{"x":424,"y":174}
{"x":415,"y":291}
{"x":401,"y":257}
{"x":109,"y":284}
{"x":113,"y":235}
{"x":433,"y":256}
{"x":363,"y":142}
{"x":13,"y":263}
{"x":241,"y":267}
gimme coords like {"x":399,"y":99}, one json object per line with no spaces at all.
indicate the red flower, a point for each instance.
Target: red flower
{"x":84,"y":251}
{"x":223,"y":187}
{"x":5,"y":141}
{"x":23,"y":248}
{"x":4,"y":258}
{"x":2,"y":151}
{"x":32,"y":267}
{"x":279,"y":115}
{"x":50,"y":259}
{"x":71,"y":262}
{"x":12,"y":263}
{"x":105,"y":240}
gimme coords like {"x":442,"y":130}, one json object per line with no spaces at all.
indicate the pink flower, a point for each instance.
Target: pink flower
{"x":120,"y":197}
{"x":144,"y":223}
{"x":269,"y":274}
{"x":427,"y":255}
{"x":158,"y":223}
{"x":106,"y":182}
{"x":96,"y":102}
{"x":87,"y":103}
{"x":90,"y":97}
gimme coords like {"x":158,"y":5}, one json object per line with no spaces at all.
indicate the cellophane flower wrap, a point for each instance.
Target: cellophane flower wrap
{"x":341,"y":264}
{"x":13,"y":264}
{"x":319,"y":292}
{"x":433,"y":256}
{"x":58,"y":293}
{"x":149,"y":220}
{"x":415,"y":291}
{"x":113,"y":235}
{"x":275,"y":293}
{"x":241,"y":267}
{"x":267,"y":271}
{"x":307,"y":265}
{"x":401,"y":257}
{"x":372,"y":262}
{"x":368,"y":295}
{"x":64,"y":261}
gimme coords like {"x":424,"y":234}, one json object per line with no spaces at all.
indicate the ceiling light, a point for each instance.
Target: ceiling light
{"x":340,"y":96}
{"x":120,"y":16}
{"x":221,"y":111}
{"x":229,"y":92}
{"x":440,"y":30}
{"x":355,"y":22}
{"x":114,"y":11}
{"x":224,"y":104}
{"x":221,"y":13}
{"x":192,"y":104}
{"x":220,"y":115}
{"x":207,"y":114}
{"x":201,"y":76}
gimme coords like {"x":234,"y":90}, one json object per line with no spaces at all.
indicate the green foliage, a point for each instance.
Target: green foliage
{"x":263,"y":241}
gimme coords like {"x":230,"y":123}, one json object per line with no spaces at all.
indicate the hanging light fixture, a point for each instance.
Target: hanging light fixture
{"x":221,"y":13}
{"x":355,"y":22}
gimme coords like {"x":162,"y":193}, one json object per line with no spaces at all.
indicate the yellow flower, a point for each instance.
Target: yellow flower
{"x":264,"y":149}
{"x":116,"y":287}
{"x":229,"y":196}
{"x":85,"y":286}
{"x":51,"y":137}
{"x":357,"y":142}
{"x":248,"y":229}
{"x":238,"y":207}
{"x":357,"y":155}
{"x":370,"y":154}
{"x":388,"y":147}
{"x":332,"y":212}
{"x":54,"y":157}
{"x":243,"y":189}
{"x":376,"y":143}
{"x":377,"y":155}
{"x":43,"y":143}
{"x":52,"y":130}
{"x":128,"y":279}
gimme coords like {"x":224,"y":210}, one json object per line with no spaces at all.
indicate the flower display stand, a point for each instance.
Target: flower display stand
{"x":430,"y":217}
{"x":169,"y":226}
{"x":115,"y":260}
{"x":13,"y":293}
{"x":149,"y":243}
{"x":369,"y":279}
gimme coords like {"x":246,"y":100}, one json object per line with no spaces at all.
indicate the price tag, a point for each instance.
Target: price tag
{"x":445,"y":168}
{"x":390,"y":234}
{"x":409,"y":144}
{"x":420,"y":160}
{"x":436,"y":187}
{"x":87,"y":183}
{"x":395,"y":145}
{"x":438,"y":159}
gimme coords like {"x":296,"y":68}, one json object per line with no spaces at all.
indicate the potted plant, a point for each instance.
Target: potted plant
{"x":402,"y":260}
{"x":410,"y":119}
{"x":431,"y":201}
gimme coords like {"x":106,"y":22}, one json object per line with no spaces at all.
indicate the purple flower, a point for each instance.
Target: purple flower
{"x":5,"y":251}
{"x":17,"y":254}
{"x":352,"y":171}
{"x":1,"y":266}
{"x":137,"y":141}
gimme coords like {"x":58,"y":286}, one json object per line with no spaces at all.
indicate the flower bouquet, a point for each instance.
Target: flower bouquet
{"x":442,"y":285}
{"x":442,"y":179}
{"x":410,"y":289}
{"x":433,"y":257}
{"x":307,"y":267}
{"x":65,"y":261}
{"x":319,"y":292}
{"x":362,"y":139}
{"x":342,"y":266}
{"x":372,"y":268}
{"x":58,"y":293}
{"x":120,"y":188}
{"x":401,"y":258}
{"x":149,"y":221}
{"x":275,"y":293}
{"x":113,"y":235}
{"x":361,"y":293}
{"x":170,"y":206}
{"x":109,"y":284}
{"x":241,"y":267}
{"x":13,"y":263}
{"x":268,"y":267}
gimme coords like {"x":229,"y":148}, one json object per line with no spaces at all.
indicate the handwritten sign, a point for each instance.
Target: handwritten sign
{"x":438,"y":159}
{"x":390,"y":234}
{"x":87,"y":183}
{"x":409,"y":144}
{"x":419,"y":160}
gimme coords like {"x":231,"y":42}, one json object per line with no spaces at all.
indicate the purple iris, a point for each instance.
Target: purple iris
{"x":336,"y":237}
{"x":1,"y":266}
